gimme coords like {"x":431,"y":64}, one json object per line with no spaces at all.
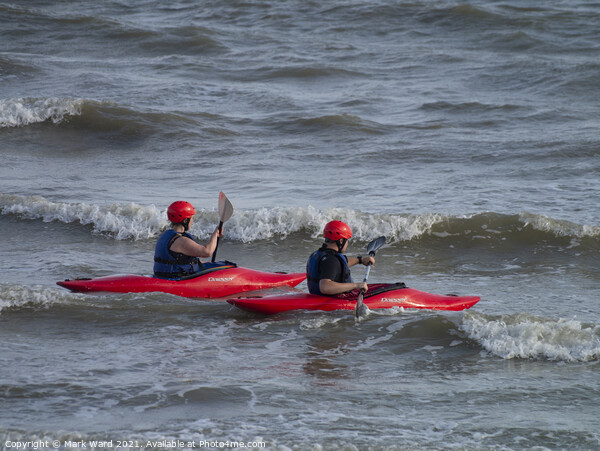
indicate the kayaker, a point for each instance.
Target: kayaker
{"x":177,"y":253}
{"x":328,"y":269}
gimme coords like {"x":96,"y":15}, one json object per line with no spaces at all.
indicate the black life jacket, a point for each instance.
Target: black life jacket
{"x":313,"y":271}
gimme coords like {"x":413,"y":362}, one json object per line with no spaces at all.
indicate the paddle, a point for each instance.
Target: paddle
{"x":372,"y":247}
{"x":225,"y":212}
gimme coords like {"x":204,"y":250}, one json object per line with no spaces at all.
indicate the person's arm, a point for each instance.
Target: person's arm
{"x":187,"y":246}
{"x":329,"y":287}
{"x":364,"y":260}
{"x":330,"y":269}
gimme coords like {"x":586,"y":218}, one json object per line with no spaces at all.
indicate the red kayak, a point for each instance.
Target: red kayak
{"x":215,"y":282}
{"x":379,"y":296}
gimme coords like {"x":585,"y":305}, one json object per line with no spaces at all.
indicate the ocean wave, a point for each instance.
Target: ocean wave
{"x":292,"y":72}
{"x":123,"y":221}
{"x":471,"y":108}
{"x":327,"y":123}
{"x":12,"y":67}
{"x":26,"y":111}
{"x":560,"y":228}
{"x":132,"y":221}
{"x":186,"y":40}
{"x":105,"y":118}
{"x":13,"y":297}
{"x":108,"y":117}
{"x":462,"y":16}
{"x":528,"y":337}
{"x":137,"y":222}
{"x":153,"y":38}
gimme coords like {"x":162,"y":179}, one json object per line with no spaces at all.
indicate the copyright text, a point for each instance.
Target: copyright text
{"x":129,"y":444}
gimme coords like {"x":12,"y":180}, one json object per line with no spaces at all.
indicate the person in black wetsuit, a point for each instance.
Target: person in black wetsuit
{"x":328,"y":269}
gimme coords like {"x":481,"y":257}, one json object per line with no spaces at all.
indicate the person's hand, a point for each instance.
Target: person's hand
{"x":362,"y":286}
{"x":367,"y":260}
{"x":218,"y":232}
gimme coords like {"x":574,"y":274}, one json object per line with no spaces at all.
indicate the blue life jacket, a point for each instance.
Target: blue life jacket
{"x":172,"y":265}
{"x":313,"y":271}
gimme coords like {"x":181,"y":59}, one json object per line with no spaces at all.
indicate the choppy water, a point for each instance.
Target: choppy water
{"x":467,"y":133}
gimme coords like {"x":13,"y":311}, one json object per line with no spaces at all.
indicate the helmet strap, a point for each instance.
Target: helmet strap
{"x":186,"y":224}
{"x":341,"y":243}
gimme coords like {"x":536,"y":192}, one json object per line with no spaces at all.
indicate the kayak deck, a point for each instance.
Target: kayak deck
{"x":215,"y":282}
{"x":378,"y":297}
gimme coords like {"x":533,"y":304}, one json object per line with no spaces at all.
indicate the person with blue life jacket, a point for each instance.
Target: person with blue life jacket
{"x":177,"y":253}
{"x":328,"y":269}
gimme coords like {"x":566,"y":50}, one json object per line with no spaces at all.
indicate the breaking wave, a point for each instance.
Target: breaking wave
{"x":26,"y":111}
{"x":138,"y":222}
{"x":14,"y":297}
{"x":523,"y":336}
{"x":103,"y":117}
{"x":123,"y":221}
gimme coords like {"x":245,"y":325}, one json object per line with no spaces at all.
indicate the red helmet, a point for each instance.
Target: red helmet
{"x":336,"y":230}
{"x":180,"y":210}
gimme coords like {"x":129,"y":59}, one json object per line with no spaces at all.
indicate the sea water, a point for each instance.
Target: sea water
{"x":465,"y":132}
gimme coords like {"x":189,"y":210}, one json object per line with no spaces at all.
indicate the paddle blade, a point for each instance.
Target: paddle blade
{"x":361,"y":309}
{"x":375,"y":245}
{"x":225,"y":207}
{"x":225,"y":212}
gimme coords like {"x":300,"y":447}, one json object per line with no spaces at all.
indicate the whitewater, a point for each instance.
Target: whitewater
{"x":466,"y":133}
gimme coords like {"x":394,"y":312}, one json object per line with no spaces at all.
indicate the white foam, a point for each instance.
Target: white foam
{"x":267,"y":223}
{"x":133,"y":221}
{"x":26,"y":111}
{"x":124,"y":221}
{"x":523,"y":336}
{"x":559,"y":227}
{"x":320,"y":322}
{"x":16,"y":296}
